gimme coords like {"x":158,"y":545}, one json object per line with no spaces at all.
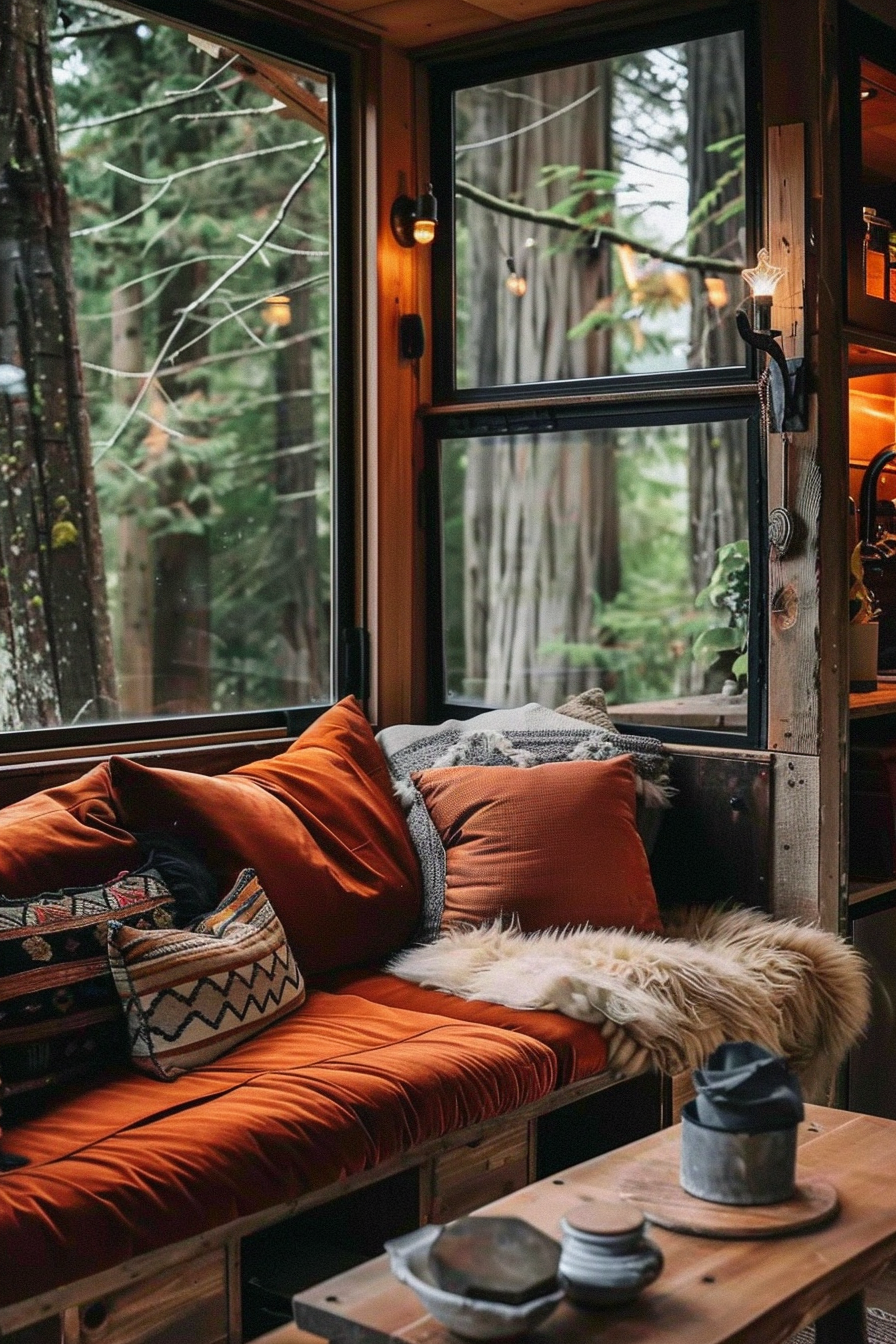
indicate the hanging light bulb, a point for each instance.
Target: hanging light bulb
{"x":515,"y":283}
{"x":763,"y":280}
{"x":426,"y":214}
{"x":716,"y":291}
{"x":276,"y":310}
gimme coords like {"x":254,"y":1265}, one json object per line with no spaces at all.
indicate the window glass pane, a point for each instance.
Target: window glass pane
{"x":169,"y":551}
{"x":588,"y":200}
{"x":613,"y":557}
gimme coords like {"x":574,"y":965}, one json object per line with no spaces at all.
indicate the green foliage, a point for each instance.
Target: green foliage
{"x":727,"y":597}
{"x":230,"y":443}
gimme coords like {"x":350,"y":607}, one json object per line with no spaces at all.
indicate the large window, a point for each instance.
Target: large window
{"x":595,"y":465}
{"x":169,"y":520}
{"x":600,"y":216}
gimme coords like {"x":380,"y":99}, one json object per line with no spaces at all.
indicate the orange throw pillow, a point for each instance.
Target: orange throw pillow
{"x":319,"y":824}
{"x":69,"y":836}
{"x":554,"y":845}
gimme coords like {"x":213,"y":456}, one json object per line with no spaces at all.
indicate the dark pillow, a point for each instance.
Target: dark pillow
{"x":318,"y":823}
{"x":65,"y":837}
{"x":60,"y":1018}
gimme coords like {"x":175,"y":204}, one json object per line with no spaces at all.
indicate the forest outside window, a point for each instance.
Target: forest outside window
{"x":600,"y":217}
{"x":582,"y":557}
{"x":594,"y":445}
{"x":166,"y":472}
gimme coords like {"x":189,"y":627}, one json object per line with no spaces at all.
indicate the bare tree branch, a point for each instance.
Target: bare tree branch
{"x":165,"y":103}
{"x":254,"y":302}
{"x":122,"y":219}
{"x":214,"y":163}
{"x":567,"y":222}
{"x":178,"y":369}
{"x":274,"y":106}
{"x":521,"y":130}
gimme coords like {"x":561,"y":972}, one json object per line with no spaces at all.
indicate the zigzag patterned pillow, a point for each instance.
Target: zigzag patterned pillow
{"x":190,"y":995}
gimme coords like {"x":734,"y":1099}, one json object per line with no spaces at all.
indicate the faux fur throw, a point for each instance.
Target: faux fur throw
{"x":670,"y":1000}
{"x":524,"y":737}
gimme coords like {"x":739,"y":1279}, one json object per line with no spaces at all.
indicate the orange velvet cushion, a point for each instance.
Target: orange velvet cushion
{"x":69,"y":836}
{"x":320,"y":826}
{"x":323,"y":1094}
{"x":554,"y":845}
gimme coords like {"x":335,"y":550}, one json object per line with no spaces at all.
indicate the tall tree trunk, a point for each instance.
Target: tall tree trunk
{"x":541,"y":512}
{"x":55,"y":645}
{"x":717,"y":463}
{"x":303,"y":627}
{"x":182,"y":569}
{"x":135,"y":588}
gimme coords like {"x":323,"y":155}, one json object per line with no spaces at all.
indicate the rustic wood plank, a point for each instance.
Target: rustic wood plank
{"x":786,"y":236}
{"x":795,"y":837}
{"x":190,"y":1301}
{"x":830,"y":358}
{"x":710,"y":1292}
{"x":793,"y":580}
{"x":872,"y":704}
{"x":393,"y":473}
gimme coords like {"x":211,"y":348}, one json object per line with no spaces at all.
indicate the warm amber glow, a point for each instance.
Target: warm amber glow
{"x":424,"y":230}
{"x":276,"y":311}
{"x":763,"y":279}
{"x":516,"y":284}
{"x":716,"y":291}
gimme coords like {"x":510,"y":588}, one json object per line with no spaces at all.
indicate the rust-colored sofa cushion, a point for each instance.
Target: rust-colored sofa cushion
{"x":579,"y":1048}
{"x":69,"y":836}
{"x":331,"y":1090}
{"x":319,"y":824}
{"x":553,"y":846}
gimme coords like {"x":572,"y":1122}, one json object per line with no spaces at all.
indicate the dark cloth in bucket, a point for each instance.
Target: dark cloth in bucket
{"x":746,"y":1088}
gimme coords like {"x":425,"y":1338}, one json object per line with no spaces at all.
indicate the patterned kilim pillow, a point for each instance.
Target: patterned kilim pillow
{"x":60,"y":1016}
{"x":190,"y":995}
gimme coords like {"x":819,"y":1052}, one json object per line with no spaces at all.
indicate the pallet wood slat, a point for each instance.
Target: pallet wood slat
{"x":796,"y":837}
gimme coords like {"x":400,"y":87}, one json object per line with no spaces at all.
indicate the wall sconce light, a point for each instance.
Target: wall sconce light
{"x":414,"y":221}
{"x":786,"y":383}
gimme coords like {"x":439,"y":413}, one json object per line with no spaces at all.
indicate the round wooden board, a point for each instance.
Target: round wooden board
{"x":654,"y":1187}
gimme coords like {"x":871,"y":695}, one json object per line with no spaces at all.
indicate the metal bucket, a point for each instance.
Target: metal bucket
{"x":728,"y":1167}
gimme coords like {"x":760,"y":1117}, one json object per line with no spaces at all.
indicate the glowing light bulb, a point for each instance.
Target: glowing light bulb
{"x":763,"y":280}
{"x":424,"y":230}
{"x":516,"y":284}
{"x":716,"y":291}
{"x":276,"y":310}
{"x":764,"y":277}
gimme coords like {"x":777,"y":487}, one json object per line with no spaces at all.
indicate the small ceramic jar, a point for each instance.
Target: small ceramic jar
{"x":606,"y":1258}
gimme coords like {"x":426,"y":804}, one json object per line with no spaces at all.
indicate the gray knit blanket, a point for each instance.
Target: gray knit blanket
{"x":526,"y":737}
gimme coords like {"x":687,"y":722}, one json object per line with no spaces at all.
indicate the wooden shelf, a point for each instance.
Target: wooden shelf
{"x":724,"y":713}
{"x":868,"y":350}
{"x":860,"y":892}
{"x":870,"y":704}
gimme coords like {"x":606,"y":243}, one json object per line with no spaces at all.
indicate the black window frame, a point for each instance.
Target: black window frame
{"x":287,"y":42}
{"x":446,"y":78}
{"x":614,"y":401}
{"x":457,"y":424}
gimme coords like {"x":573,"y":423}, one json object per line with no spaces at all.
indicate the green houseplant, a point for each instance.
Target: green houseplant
{"x":727,"y":598}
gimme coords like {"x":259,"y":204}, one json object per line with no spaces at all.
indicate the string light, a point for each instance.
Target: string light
{"x":276,"y":310}
{"x":514,"y":282}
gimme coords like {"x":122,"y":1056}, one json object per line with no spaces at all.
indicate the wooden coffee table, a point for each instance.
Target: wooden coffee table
{"x":710,"y":1292}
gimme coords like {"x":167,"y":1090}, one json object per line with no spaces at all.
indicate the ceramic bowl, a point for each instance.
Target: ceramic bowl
{"x":468,"y":1316}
